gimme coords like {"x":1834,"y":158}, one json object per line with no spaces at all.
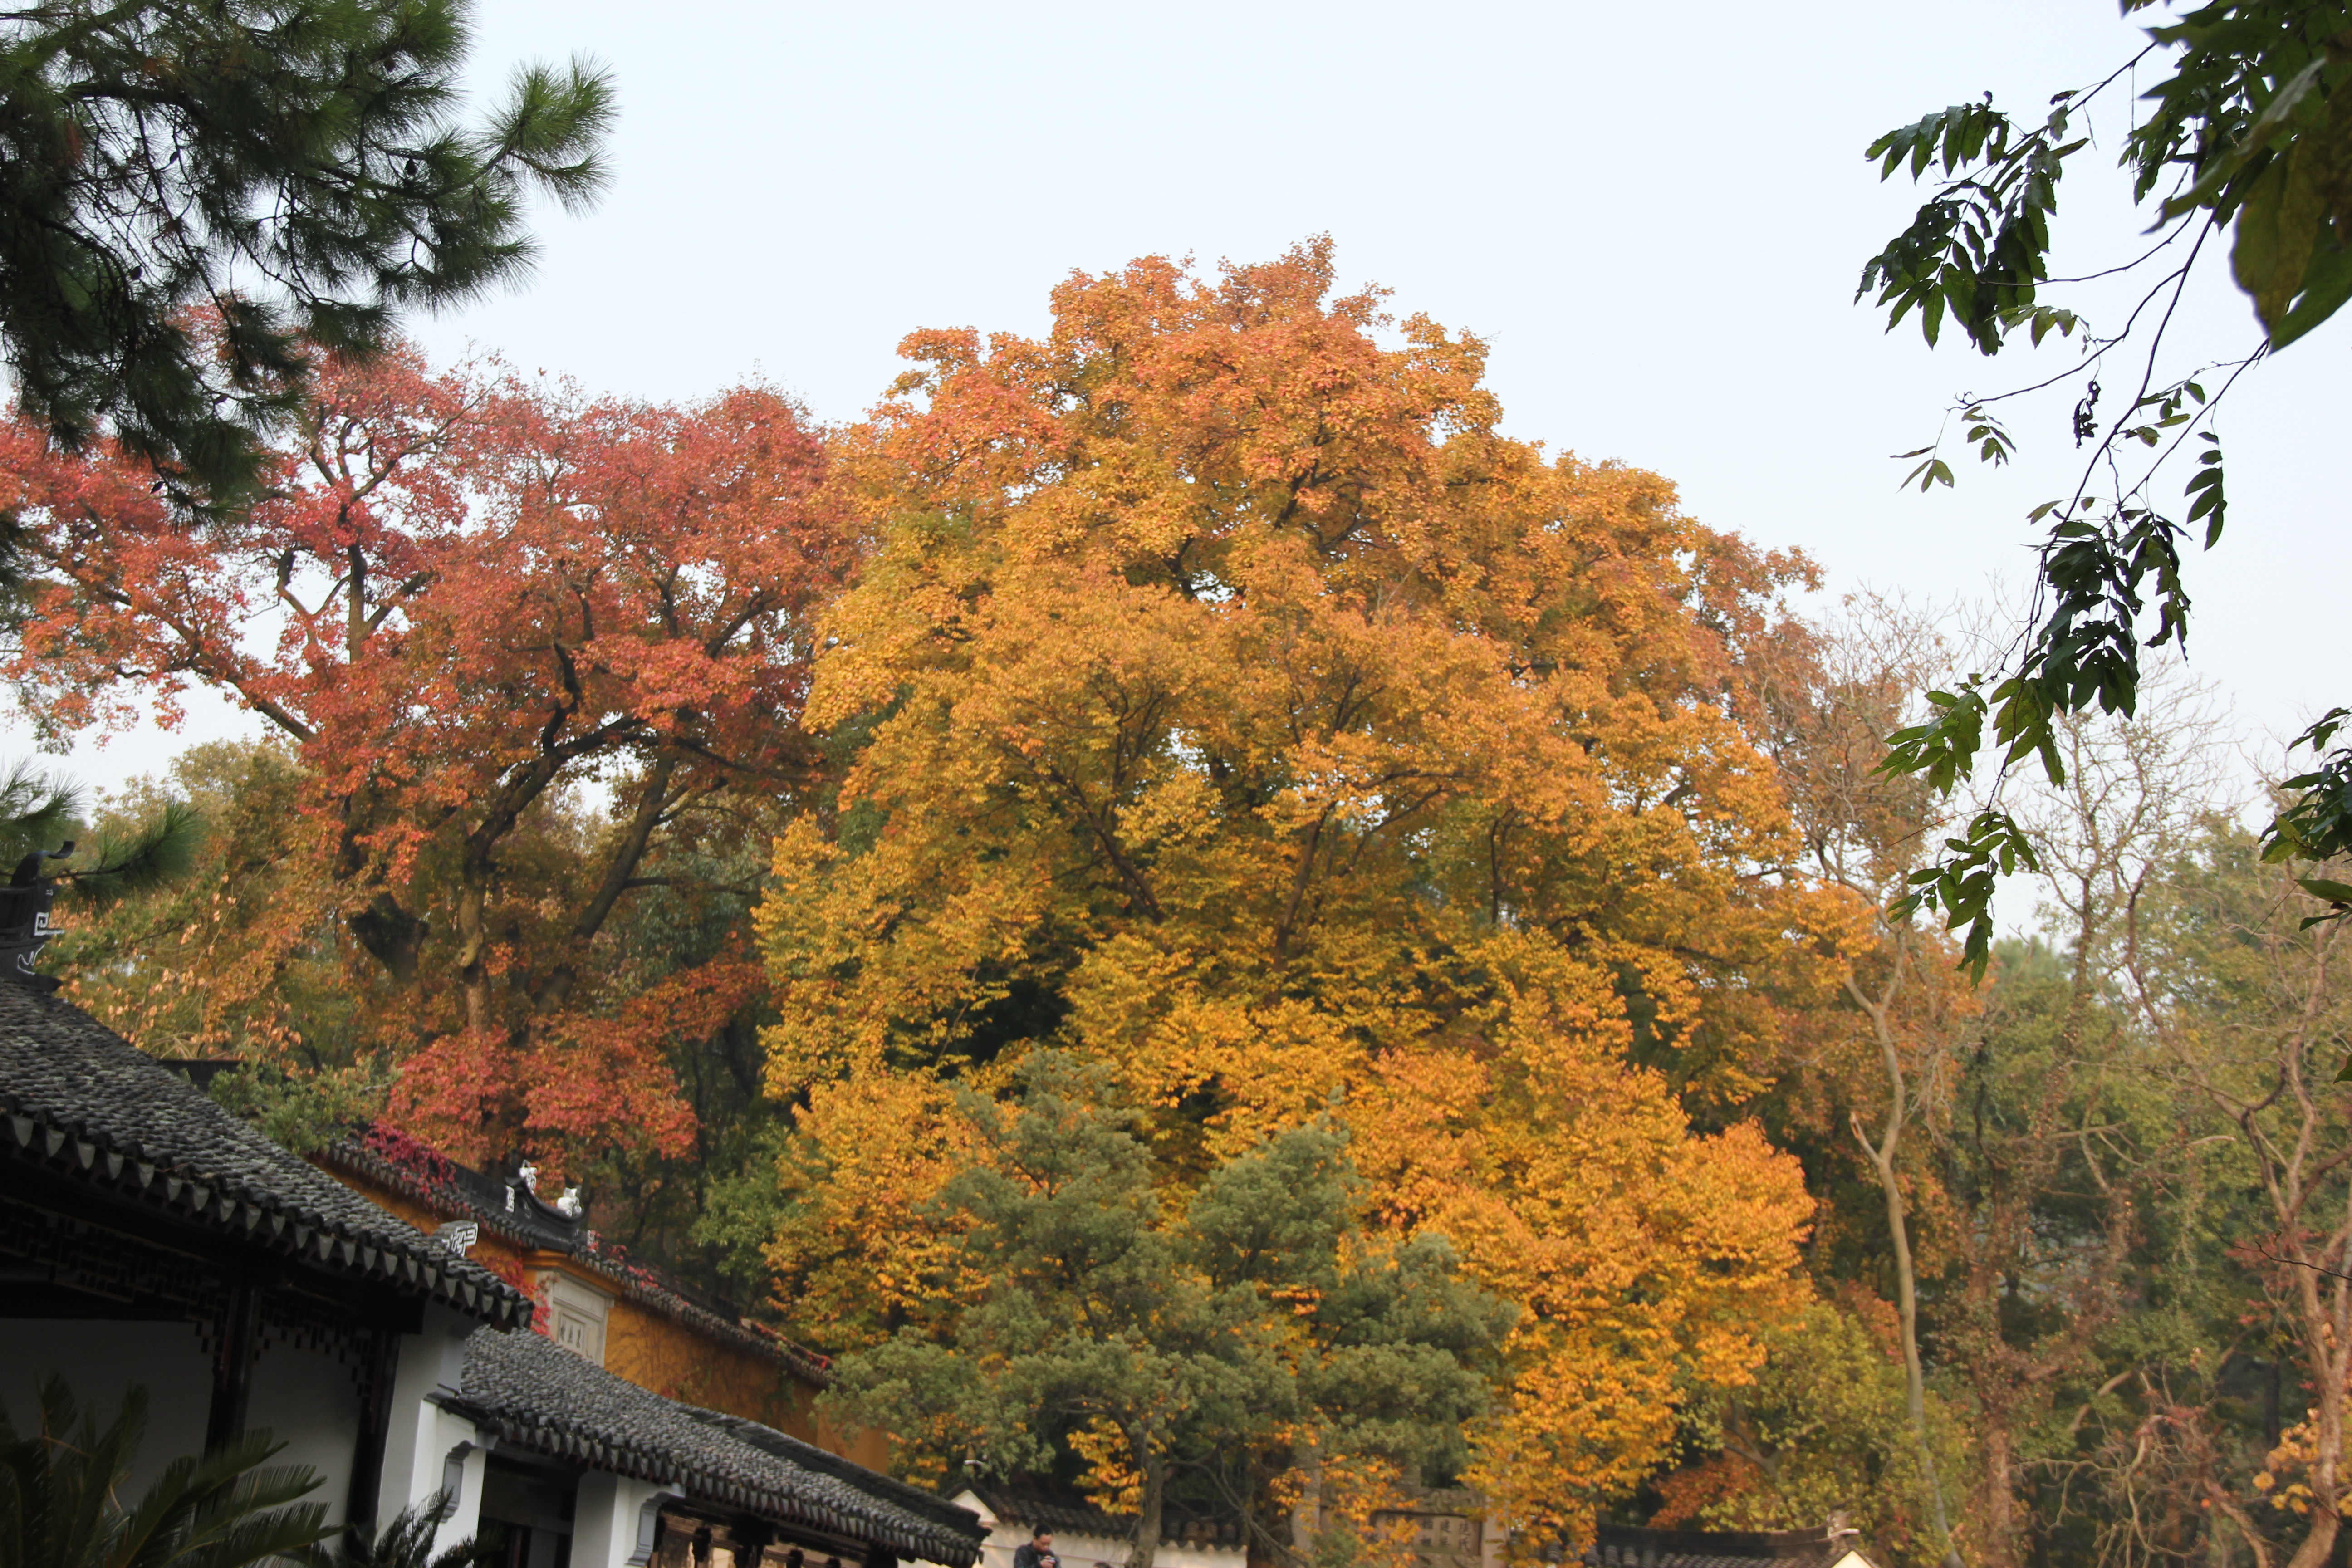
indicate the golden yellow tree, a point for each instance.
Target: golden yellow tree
{"x":1227,"y":701}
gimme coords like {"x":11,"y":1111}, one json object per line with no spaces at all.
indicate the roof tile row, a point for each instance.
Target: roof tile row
{"x":536,"y":1395}
{"x":80,"y":1101}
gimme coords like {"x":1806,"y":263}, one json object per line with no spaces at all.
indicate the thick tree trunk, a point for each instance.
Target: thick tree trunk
{"x":474,"y":943}
{"x":391,"y":936}
{"x":1153,"y":1505}
{"x":654,"y":800}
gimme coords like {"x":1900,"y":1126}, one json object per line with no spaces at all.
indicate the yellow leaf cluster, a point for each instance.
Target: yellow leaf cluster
{"x":1229,"y":702}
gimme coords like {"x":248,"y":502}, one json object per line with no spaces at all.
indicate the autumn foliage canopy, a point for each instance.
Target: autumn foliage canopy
{"x":1213,"y":926}
{"x":466,"y":598}
{"x":1206,"y":693}
{"x":1231,"y":704}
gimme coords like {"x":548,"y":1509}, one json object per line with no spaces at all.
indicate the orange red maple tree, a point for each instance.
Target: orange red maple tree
{"x":466,"y":599}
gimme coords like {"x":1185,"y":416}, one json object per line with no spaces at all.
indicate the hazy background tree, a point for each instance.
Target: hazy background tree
{"x":1873,"y":1067}
{"x":2077,"y":1320}
{"x":2232,"y":971}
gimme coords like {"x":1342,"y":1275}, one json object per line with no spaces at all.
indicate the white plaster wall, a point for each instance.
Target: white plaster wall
{"x":1085,"y":1550}
{"x":420,"y":1435}
{"x":100,"y":1360}
{"x":609,"y":1522}
{"x":462,"y":1466}
{"x":1176,"y":1556}
{"x":311,"y":1404}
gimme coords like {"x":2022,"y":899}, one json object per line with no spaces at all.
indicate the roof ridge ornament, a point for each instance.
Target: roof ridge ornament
{"x":25,"y":924}
{"x":566,"y":1210}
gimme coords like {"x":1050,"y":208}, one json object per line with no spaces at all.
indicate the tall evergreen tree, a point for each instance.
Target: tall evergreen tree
{"x":294,"y":170}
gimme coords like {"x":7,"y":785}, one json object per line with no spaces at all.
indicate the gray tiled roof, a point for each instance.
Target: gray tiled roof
{"x":503,"y":1208}
{"x":78,"y":1099}
{"x":1622,"y":1546}
{"x":535,"y":1395}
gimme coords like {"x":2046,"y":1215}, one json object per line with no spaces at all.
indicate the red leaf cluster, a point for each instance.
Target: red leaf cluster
{"x":477,"y":606}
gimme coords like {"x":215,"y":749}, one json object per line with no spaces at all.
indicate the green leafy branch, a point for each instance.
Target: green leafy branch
{"x":1960,"y":884}
{"x":1991,"y":440}
{"x":2251,"y":129}
{"x":2256,"y":112}
{"x":1978,"y":248}
{"x":2317,"y":824}
{"x":118,"y":861}
{"x":2101,"y":575}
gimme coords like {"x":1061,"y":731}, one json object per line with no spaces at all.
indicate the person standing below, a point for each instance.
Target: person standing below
{"x":1038,"y":1554}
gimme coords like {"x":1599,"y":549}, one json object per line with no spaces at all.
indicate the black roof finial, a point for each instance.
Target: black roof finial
{"x":25,"y":927}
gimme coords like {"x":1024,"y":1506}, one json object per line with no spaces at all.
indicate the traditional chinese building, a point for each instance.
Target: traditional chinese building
{"x":1445,"y":1527}
{"x":149,"y":1238}
{"x":585,"y":1468}
{"x":592,"y":1297}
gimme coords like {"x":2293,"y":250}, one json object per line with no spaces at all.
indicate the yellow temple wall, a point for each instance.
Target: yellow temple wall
{"x":656,"y":1351}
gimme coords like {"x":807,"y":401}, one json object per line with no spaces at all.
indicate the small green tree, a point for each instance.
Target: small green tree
{"x":1824,"y":1429}
{"x":1250,"y":1329}
{"x":295,"y":171}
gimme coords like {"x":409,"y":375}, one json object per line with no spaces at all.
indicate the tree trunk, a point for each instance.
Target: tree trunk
{"x":2321,"y":1316}
{"x":1307,"y":1514}
{"x":1898,"y":1230}
{"x":654,"y":800}
{"x":474,"y":942}
{"x":2319,"y":1544}
{"x":2000,"y":1545}
{"x":1915,"y":1380}
{"x":1148,"y":1515}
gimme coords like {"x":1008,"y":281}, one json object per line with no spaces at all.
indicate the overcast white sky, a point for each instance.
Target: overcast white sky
{"x":1656,"y":213}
